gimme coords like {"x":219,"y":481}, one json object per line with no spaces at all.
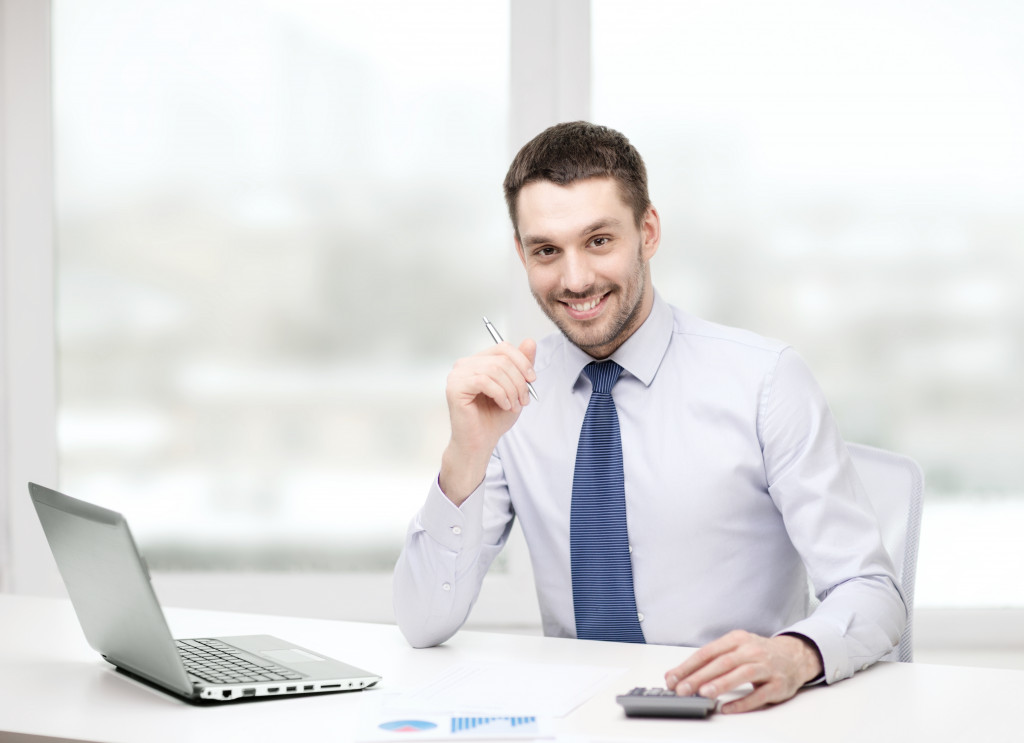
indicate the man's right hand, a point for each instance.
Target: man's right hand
{"x":486,"y":393}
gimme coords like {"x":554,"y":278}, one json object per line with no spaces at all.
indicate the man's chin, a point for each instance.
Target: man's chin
{"x":587,"y":335}
{"x":586,"y":341}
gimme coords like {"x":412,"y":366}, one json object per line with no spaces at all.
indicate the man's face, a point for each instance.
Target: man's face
{"x":586,"y":260}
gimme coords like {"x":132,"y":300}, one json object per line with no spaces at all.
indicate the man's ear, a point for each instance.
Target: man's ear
{"x":651,"y":231}
{"x":519,"y":249}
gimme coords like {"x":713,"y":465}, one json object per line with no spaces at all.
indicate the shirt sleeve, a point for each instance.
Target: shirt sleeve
{"x":832,"y":524}
{"x":447,"y":552}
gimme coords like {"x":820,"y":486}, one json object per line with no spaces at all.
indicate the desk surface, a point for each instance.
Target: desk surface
{"x":53,"y":684}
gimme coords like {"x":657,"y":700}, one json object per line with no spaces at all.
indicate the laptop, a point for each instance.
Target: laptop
{"x":109,"y":587}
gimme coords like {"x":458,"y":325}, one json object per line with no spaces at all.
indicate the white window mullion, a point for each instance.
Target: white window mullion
{"x":550,"y":82}
{"x":28,"y":440}
{"x":550,"y":65}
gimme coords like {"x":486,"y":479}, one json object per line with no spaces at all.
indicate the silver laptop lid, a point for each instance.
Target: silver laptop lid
{"x":109,"y":587}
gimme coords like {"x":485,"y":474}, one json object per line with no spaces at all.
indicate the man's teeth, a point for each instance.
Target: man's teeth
{"x":586,"y":305}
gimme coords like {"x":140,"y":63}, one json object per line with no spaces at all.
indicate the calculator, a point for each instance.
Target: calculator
{"x":644,"y":702}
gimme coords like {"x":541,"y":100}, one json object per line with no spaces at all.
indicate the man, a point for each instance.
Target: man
{"x":688,"y":490}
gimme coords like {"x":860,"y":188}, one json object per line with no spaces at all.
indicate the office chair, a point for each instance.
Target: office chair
{"x":895,"y":486}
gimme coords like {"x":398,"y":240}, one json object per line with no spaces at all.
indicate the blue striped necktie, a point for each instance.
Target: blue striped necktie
{"x":602,"y":575}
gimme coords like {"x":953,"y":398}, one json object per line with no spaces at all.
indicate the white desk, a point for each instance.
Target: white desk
{"x":53,"y":684}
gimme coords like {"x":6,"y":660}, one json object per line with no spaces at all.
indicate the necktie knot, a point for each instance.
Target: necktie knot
{"x":603,"y":375}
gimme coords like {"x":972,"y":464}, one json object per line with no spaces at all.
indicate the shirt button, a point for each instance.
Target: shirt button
{"x":640,"y":616}
{"x":446,"y":586}
{"x":631,"y":549}
{"x":456,"y":530}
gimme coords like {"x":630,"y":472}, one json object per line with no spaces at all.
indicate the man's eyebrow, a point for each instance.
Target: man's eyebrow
{"x":601,"y":224}
{"x":534,"y":239}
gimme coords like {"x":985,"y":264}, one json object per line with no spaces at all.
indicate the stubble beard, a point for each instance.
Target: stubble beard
{"x":621,"y":325}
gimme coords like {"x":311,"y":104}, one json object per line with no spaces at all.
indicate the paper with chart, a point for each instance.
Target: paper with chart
{"x":541,"y":689}
{"x":432,"y":727}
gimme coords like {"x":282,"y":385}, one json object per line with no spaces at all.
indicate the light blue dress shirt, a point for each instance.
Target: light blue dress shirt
{"x":738,"y":489}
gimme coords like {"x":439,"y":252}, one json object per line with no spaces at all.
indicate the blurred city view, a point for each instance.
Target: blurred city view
{"x":849,"y":177}
{"x":278,"y":228}
{"x":280,"y":224}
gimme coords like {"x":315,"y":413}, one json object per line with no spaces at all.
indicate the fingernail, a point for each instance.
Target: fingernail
{"x":709,"y":691}
{"x":671,"y":681}
{"x":685,"y":690}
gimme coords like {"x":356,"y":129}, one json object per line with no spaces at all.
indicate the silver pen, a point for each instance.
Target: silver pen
{"x":498,"y":339}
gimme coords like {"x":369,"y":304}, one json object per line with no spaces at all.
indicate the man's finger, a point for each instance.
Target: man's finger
{"x":741,"y":673}
{"x":479,"y":374}
{"x":490,"y":387}
{"x":510,"y":376}
{"x":523,"y":357}
{"x":703,"y":657}
{"x":760,"y":697}
{"x":715,"y":678}
{"x":529,"y":349}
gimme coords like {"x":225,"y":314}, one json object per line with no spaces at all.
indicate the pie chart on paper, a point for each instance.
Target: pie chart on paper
{"x":407,"y":726}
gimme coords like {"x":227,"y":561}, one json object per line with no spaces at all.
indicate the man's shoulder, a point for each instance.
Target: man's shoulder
{"x":698,"y":331}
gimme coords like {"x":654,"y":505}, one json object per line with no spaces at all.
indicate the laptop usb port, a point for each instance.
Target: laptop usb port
{"x":308,"y":687}
{"x":290,"y":688}
{"x":248,"y":692}
{"x":273,"y":689}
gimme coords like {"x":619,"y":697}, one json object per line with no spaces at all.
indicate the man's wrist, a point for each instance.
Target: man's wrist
{"x":811,"y":664}
{"x":458,"y":479}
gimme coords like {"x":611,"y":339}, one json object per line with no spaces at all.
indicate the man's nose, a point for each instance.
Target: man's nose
{"x":578,"y":275}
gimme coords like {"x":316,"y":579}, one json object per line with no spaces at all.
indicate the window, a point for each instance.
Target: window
{"x":275,"y":220}
{"x":846,"y":176}
{"x":849,"y":177}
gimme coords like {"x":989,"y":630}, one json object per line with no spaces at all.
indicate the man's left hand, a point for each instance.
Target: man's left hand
{"x":776,"y":666}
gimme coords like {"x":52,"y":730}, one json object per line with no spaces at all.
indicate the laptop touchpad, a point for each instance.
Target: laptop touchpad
{"x":290,"y":656}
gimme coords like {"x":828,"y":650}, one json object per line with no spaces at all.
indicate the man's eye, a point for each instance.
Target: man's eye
{"x":597,"y":242}
{"x":545,"y":251}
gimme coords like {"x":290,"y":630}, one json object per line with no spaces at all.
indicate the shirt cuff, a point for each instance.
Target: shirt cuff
{"x":453,"y":526}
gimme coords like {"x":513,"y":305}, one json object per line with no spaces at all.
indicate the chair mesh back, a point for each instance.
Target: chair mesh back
{"x":895,"y":486}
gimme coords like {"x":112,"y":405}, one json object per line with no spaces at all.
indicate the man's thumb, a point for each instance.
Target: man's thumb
{"x":529,"y":349}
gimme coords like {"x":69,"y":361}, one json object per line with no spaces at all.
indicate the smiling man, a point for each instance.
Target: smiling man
{"x":677,"y":482}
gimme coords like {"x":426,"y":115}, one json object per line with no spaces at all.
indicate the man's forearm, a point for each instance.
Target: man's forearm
{"x":439,"y":573}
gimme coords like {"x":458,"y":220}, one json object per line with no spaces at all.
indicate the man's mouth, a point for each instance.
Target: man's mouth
{"x":583,"y":309}
{"x":588,"y":305}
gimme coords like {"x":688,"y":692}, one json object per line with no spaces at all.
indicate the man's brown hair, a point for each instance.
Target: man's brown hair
{"x":574,"y":151}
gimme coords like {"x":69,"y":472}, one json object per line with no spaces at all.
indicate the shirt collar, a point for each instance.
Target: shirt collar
{"x":640,"y":355}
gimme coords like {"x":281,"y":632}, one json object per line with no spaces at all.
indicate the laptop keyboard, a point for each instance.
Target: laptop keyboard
{"x":219,"y":663}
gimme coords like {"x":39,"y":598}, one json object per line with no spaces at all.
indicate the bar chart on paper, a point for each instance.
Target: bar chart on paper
{"x":494,"y":725}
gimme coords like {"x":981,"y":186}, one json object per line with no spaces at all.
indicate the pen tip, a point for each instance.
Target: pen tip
{"x":485,"y":320}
